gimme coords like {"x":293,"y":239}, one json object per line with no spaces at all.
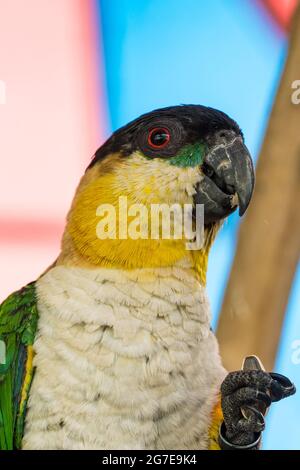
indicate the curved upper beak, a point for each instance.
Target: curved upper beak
{"x":228,"y":180}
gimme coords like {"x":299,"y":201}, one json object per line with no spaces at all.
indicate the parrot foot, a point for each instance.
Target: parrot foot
{"x":245,"y":399}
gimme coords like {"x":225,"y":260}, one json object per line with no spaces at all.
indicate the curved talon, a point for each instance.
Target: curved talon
{"x":259,"y":417}
{"x":287,"y":388}
{"x":246,"y":396}
{"x":262,"y":402}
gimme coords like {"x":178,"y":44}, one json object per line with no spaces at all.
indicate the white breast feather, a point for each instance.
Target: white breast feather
{"x":124,"y":360}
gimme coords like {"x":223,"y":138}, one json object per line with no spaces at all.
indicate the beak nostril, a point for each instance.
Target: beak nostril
{"x":223,"y":135}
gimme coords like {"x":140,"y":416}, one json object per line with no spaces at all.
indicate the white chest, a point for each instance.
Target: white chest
{"x":123,"y":361}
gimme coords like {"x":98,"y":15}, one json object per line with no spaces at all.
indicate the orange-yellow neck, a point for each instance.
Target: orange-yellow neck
{"x":81,"y":244}
{"x":139,"y":259}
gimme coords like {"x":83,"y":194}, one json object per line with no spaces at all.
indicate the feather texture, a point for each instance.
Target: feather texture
{"x":18,"y":323}
{"x":124,"y":360}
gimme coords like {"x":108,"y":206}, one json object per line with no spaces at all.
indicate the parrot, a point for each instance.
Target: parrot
{"x":112,"y":346}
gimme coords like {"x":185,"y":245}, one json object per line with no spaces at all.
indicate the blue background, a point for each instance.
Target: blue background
{"x":227,"y":54}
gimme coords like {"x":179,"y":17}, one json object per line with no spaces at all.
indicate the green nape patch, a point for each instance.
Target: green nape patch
{"x":189,"y":156}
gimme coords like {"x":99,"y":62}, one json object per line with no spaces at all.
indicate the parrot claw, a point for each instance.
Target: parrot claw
{"x":286,"y":387}
{"x":245,"y":398}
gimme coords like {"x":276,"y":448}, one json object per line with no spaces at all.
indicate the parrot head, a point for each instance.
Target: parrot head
{"x":187,"y":154}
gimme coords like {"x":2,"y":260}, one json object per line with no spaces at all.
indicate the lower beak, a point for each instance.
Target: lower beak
{"x":228,"y":181}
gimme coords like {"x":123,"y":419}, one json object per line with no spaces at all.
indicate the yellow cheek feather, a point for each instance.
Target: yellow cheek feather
{"x":141,"y":181}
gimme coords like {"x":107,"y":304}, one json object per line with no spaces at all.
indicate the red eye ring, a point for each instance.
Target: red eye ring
{"x":159,"y":137}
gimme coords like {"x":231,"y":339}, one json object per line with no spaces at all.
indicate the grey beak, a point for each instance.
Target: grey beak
{"x":228,"y":175}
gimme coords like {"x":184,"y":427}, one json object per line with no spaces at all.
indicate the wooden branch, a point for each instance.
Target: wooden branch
{"x":269,"y":239}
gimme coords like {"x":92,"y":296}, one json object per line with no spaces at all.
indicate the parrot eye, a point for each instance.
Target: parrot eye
{"x":159,"y":137}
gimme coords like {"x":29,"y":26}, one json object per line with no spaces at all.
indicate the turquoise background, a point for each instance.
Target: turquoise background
{"x":227,"y":54}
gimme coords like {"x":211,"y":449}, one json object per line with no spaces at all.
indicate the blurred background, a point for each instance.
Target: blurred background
{"x":73,"y":71}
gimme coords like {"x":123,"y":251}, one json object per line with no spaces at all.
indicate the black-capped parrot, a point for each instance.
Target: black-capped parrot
{"x":111,"y":347}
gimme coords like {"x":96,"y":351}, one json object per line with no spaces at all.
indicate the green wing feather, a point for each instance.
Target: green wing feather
{"x":18,"y":324}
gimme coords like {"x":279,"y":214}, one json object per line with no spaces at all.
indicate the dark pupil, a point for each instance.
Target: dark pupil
{"x":159,"y":137}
